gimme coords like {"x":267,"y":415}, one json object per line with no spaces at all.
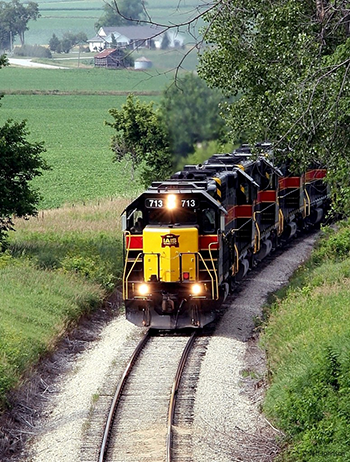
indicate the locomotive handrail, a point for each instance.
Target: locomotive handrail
{"x":236,"y":264}
{"x":215,"y":272}
{"x":257,"y":238}
{"x":210,"y":275}
{"x":308,"y":203}
{"x":126,"y":233}
{"x":280,"y":221}
{"x":126,"y":280}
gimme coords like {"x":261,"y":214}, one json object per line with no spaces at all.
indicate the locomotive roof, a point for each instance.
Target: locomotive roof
{"x":180,"y":190}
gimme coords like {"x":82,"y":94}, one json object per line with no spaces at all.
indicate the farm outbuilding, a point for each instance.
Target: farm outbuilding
{"x":112,"y":58}
{"x":142,"y":63}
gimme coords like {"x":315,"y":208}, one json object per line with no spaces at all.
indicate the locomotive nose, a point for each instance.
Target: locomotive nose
{"x":169,"y":253}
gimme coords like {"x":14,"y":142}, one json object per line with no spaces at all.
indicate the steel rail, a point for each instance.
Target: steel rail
{"x":117,"y":395}
{"x":175,"y":387}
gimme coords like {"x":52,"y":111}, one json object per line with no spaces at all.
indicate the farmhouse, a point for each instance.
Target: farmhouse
{"x":111,"y":58}
{"x":134,"y":37}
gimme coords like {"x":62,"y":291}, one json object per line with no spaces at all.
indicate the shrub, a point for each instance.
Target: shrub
{"x":35,"y":51}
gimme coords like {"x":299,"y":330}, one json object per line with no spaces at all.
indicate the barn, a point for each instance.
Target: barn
{"x":112,"y":58}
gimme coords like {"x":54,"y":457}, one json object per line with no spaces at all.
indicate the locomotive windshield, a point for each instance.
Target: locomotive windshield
{"x":165,"y":216}
{"x":175,"y":210}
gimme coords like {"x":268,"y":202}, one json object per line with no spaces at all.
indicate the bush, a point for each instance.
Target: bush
{"x":336,"y":246}
{"x":308,"y":341}
{"x":36,"y":51}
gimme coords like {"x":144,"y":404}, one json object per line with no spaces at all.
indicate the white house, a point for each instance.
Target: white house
{"x":134,"y":37}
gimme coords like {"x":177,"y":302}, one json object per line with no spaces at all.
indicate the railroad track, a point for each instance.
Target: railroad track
{"x":140,"y":425}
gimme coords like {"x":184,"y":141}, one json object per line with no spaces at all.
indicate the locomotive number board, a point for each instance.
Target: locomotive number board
{"x":156,"y":203}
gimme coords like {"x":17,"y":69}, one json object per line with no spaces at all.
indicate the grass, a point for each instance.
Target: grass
{"x":84,"y":239}
{"x":58,"y":266}
{"x":308,"y":345}
{"x":36,"y":308}
{"x":86,"y":81}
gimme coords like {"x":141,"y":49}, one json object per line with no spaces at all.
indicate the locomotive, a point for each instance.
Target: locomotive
{"x":190,"y":239}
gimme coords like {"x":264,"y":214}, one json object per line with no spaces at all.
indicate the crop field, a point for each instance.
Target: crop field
{"x":88,"y":81}
{"x":67,"y":110}
{"x":80,"y":16}
{"x":77,"y":143}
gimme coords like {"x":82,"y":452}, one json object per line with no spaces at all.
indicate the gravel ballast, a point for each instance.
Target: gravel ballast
{"x":227,"y":422}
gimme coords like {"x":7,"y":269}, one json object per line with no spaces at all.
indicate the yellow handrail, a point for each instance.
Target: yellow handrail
{"x":126,"y":280}
{"x":127,"y":233}
{"x":308,"y":201}
{"x":211,"y":277}
{"x":280,"y":222}
{"x":214,"y":269}
{"x":257,"y":238}
{"x":236,"y":264}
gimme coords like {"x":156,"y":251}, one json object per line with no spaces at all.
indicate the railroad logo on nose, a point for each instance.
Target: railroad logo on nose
{"x":170,"y":240}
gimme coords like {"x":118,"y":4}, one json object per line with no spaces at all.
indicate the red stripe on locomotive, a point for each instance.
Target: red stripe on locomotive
{"x":316,"y":174}
{"x":136,"y":242}
{"x":205,"y":241}
{"x":267,"y":196}
{"x":290,"y":182}
{"x":243,"y":211}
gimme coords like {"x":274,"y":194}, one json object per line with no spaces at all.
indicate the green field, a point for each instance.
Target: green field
{"x":87,"y":81}
{"x":80,"y":16}
{"x":70,"y":121}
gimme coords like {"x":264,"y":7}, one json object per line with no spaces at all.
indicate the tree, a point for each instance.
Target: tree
{"x":14,"y":18}
{"x":54,"y":43}
{"x":190,"y":110}
{"x":131,"y":10}
{"x":20,"y":162}
{"x":68,"y":41}
{"x":142,"y":139}
{"x":290,"y":61}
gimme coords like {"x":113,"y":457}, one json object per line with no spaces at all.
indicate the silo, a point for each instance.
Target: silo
{"x":142,"y":63}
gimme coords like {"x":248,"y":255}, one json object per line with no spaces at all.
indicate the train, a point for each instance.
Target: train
{"x":190,"y":239}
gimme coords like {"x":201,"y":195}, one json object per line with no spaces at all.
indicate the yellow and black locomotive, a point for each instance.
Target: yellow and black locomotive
{"x":189,"y":239}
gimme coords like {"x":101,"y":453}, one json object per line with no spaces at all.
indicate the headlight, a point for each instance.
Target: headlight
{"x":143,"y":289}
{"x":171,"y":201}
{"x":196,"y":289}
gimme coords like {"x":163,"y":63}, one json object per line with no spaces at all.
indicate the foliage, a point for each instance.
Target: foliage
{"x":191,"y":113}
{"x":141,"y":137}
{"x":308,"y":344}
{"x":337,"y":244}
{"x":121,"y":13}
{"x":14,"y":18}
{"x":36,"y":51}
{"x":290,"y":60}
{"x":3,"y":61}
{"x":20,"y":162}
{"x":68,"y":41}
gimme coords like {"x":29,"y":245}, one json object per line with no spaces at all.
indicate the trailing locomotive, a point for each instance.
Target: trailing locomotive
{"x":190,"y":238}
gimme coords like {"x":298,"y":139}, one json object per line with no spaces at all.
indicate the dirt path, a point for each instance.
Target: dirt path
{"x":29,"y":63}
